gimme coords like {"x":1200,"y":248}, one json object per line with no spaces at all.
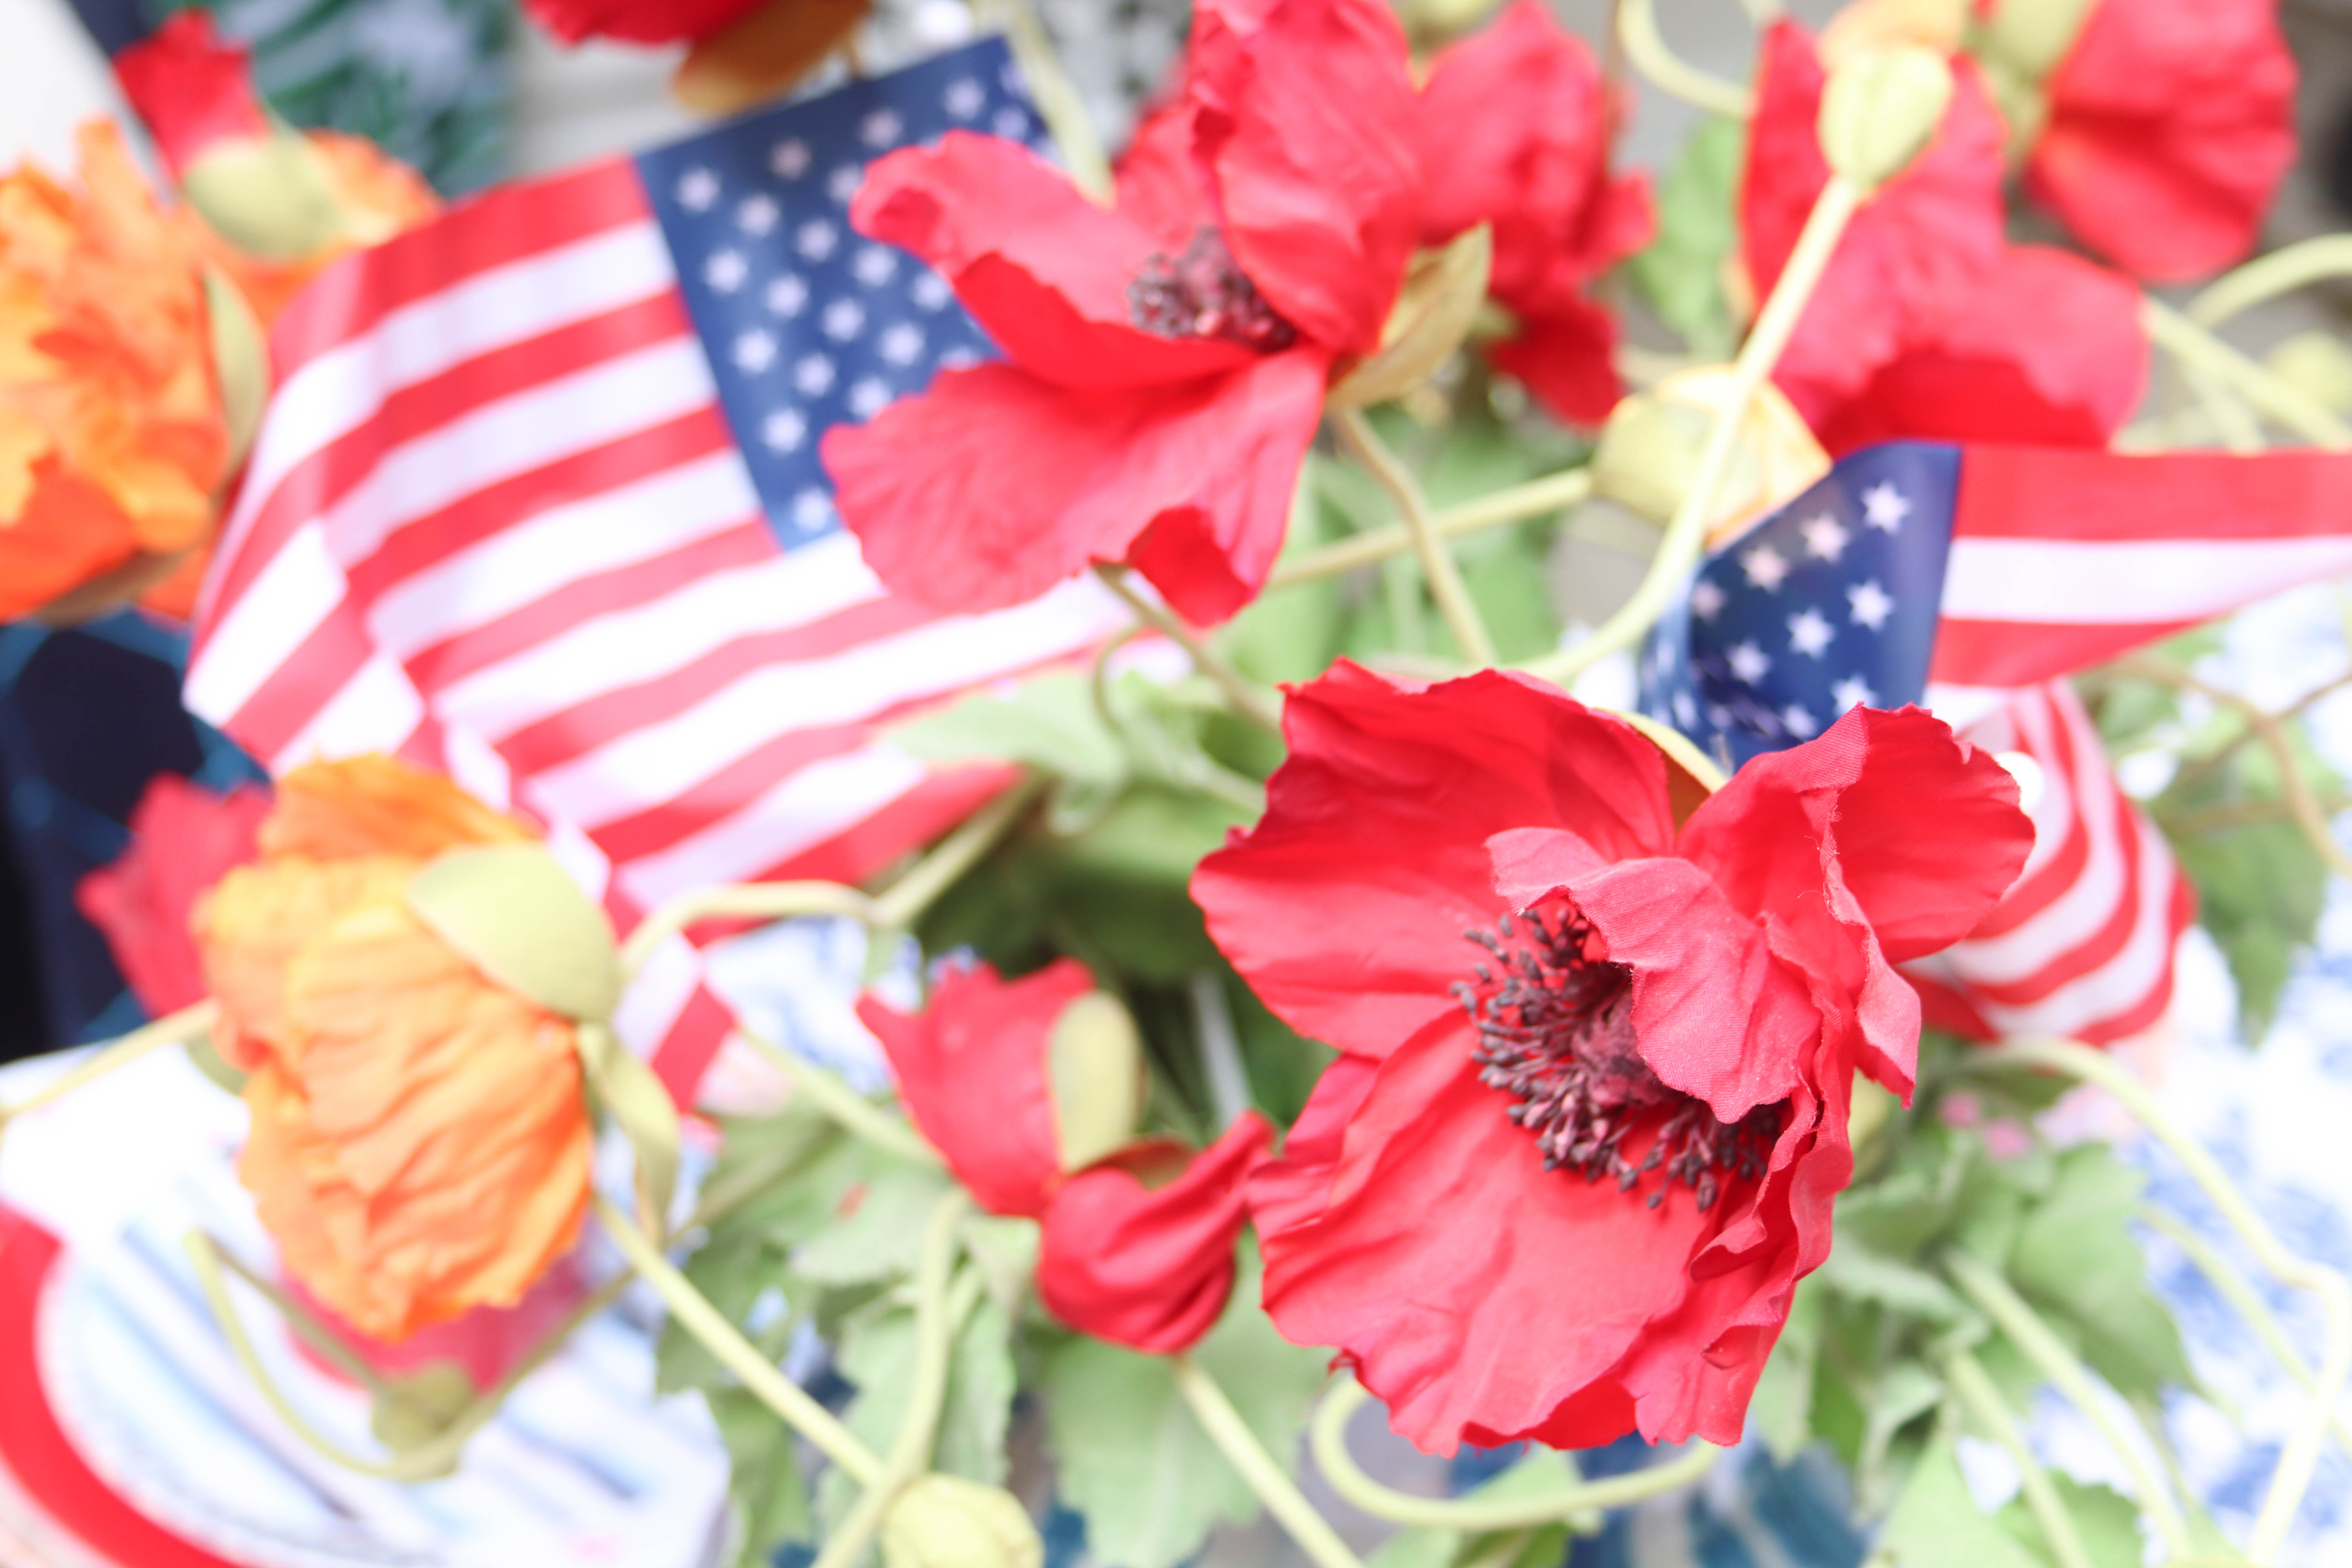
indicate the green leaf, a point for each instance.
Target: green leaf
{"x":1782,"y":1408}
{"x":876,"y":1352}
{"x":2105,"y":1522}
{"x":1681,"y":272}
{"x":2076,"y":1254}
{"x":1134,"y":1460}
{"x":1855,"y":1270}
{"x":764,"y":1485}
{"x":1936,"y":1524}
{"x":880,"y":1236}
{"x":2260,"y":892}
{"x":1510,"y":583}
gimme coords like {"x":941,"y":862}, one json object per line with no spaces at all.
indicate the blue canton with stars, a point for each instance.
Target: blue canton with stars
{"x":1830,"y":602}
{"x":806,"y":324}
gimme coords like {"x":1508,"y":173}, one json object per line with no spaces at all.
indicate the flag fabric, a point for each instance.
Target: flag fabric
{"x":537,"y":502}
{"x":1973,"y":579}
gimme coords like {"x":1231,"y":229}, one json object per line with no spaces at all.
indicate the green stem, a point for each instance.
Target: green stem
{"x":2033,"y":1337}
{"x":1058,"y":104}
{"x":1679,"y":549}
{"x":708,"y":1324}
{"x":2292,"y":1479}
{"x":852,"y":1110}
{"x":903,"y":902}
{"x":1330,"y":1437}
{"x":1533,"y":498}
{"x":1266,"y":1475}
{"x":1250,"y":700}
{"x":2265,"y":388}
{"x":1645,"y":50}
{"x":1968,"y":1379}
{"x":2267,"y":276}
{"x":1437,"y":565}
{"x":176,"y":1029}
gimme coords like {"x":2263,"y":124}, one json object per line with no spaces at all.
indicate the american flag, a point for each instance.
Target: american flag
{"x":1973,"y":579}
{"x":537,"y":502}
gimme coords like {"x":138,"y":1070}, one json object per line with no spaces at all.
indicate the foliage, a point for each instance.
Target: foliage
{"x":1680,"y":275}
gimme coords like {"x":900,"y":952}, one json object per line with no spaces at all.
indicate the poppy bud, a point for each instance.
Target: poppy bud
{"x":1442,"y":293}
{"x":1094,"y":1062}
{"x":1649,"y":446}
{"x":519,"y":918}
{"x":946,"y":1522}
{"x":2029,"y":38}
{"x":1880,"y":108}
{"x":267,"y":196}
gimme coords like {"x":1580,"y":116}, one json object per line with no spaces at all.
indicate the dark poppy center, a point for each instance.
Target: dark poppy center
{"x":1201,"y":292}
{"x":1556,"y":1033}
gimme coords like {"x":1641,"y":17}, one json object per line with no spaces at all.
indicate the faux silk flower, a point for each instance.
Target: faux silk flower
{"x":420,"y":1143}
{"x":636,"y":21}
{"x":1914,"y":256}
{"x":1598,"y":1045}
{"x":1138,"y":1238}
{"x":2169,"y":126}
{"x":1514,"y":128}
{"x":183,"y":839}
{"x":1165,"y":360}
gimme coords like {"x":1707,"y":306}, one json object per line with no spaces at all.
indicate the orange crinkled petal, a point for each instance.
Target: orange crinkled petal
{"x":251,"y":925}
{"x":377,"y":805}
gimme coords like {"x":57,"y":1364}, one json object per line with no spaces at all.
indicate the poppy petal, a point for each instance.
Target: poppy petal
{"x":1566,"y":359}
{"x":375,"y":805}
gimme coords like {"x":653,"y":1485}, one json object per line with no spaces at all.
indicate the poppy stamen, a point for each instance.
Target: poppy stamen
{"x":1201,"y":292}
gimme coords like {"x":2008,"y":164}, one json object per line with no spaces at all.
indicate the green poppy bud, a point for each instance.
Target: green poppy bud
{"x":1880,"y":108}
{"x":1094,"y":1058}
{"x":946,"y":1522}
{"x":266,"y":195}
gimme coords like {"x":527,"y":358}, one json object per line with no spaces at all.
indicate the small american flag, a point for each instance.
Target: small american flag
{"x":1973,"y":579}
{"x":537,"y":502}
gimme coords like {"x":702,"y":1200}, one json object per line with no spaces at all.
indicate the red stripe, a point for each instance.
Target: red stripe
{"x":2021,"y":653}
{"x":925,"y":813}
{"x":2150,"y":1007}
{"x":294,"y":692}
{"x":598,"y":720}
{"x":2048,"y":881}
{"x":35,"y":1446}
{"x":693,"y":1039}
{"x":2052,"y":492}
{"x":2095,"y":951}
{"x":509,"y":224}
{"x":720,"y":794}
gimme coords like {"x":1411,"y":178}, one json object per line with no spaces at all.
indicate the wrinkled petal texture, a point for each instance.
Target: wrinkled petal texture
{"x":972,"y":1070}
{"x":2171,"y":124}
{"x":183,"y":838}
{"x":191,"y":88}
{"x":1150,"y":1267}
{"x":1909,"y":261}
{"x":994,"y":485}
{"x":1346,"y":906}
{"x":2049,"y":352}
{"x":375,"y":805}
{"x":1305,"y":120}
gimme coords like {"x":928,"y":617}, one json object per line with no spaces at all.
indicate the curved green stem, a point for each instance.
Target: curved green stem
{"x":1533,"y":498}
{"x":1330,"y":1436}
{"x":2268,"y":391}
{"x":2292,"y":1479}
{"x":1437,"y":564}
{"x":1646,"y":52}
{"x":1249,"y":700}
{"x":844,"y":1105}
{"x":708,"y":1324}
{"x":1970,"y":1381}
{"x":2283,"y":271}
{"x":176,"y":1029}
{"x":1266,"y":1475}
{"x":903,"y":902}
{"x":1679,"y":549}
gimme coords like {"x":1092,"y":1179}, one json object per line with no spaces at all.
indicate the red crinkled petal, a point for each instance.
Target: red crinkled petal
{"x":636,"y":21}
{"x":2171,"y":124}
{"x":1908,"y":260}
{"x":183,"y":838}
{"x":1150,"y":1267}
{"x":972,"y":1070}
{"x":1159,"y":179}
{"x":1345,"y":907}
{"x":1042,"y":268}
{"x":1566,"y":361}
{"x":1294,"y":1188}
{"x":992,"y":486}
{"x":1307,"y":123}
{"x":2049,"y":352}
{"x":191,"y":88}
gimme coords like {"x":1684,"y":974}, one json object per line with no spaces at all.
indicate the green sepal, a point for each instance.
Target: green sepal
{"x":640,"y":1106}
{"x":417,"y":1407}
{"x":520,"y":917}
{"x":240,"y":363}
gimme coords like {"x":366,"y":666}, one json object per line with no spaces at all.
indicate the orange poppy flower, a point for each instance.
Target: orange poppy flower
{"x":112,"y":440}
{"x":420,"y":1143}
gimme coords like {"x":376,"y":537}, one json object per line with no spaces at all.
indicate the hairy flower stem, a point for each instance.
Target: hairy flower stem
{"x":1975,"y":1387}
{"x":2265,"y":278}
{"x":1646,"y":52}
{"x":1247,"y":698}
{"x":1679,"y":549}
{"x":1266,"y":1476}
{"x":1437,"y":566}
{"x":2292,"y":1479}
{"x":848,"y":1109}
{"x":179,"y":1029}
{"x":708,"y":1324}
{"x":1328,"y":1436}
{"x":2269,"y":392}
{"x":1533,"y":498}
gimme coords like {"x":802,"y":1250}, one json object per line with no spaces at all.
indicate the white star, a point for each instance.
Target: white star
{"x":1748,"y":662}
{"x":1870,"y":603}
{"x":902,"y":343}
{"x":1800,"y":723}
{"x":783,"y":431}
{"x":1766,"y":567}
{"x":882,"y":128}
{"x":814,"y":376}
{"x":1011,"y":123}
{"x":1707,"y":599}
{"x":754,"y":352}
{"x":874,"y":266}
{"x":843,"y":319}
{"x":1825,"y":538}
{"x":1854,"y":692}
{"x":964,"y":98}
{"x":787,"y":295}
{"x":698,"y":190}
{"x":931,"y":290}
{"x":842,"y":183}
{"x":758,"y":215}
{"x":1811,"y":635}
{"x":868,"y":397}
{"x":789,"y":160}
{"x":1686,"y":711}
{"x":1718,"y":715}
{"x":812,"y":509}
{"x":817,"y":239}
{"x":726,"y":270}
{"x":1882,"y":507}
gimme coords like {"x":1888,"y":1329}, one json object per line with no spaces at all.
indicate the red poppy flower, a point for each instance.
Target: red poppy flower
{"x":191,"y":88}
{"x":636,"y":21}
{"x":1165,"y":361}
{"x":1515,"y":132}
{"x":1910,"y":260}
{"x":2170,"y":125}
{"x":1139,"y":1244}
{"x":183,"y":838}
{"x":2048,"y":351}
{"x":1680,"y":1009}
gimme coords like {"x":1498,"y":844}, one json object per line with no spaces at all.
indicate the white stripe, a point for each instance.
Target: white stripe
{"x":376,"y":710}
{"x":285,"y":603}
{"x":657,"y":993}
{"x":532,"y":558}
{"x":334,"y":394}
{"x":1962,"y":706}
{"x":626,"y":647}
{"x":2035,"y":717}
{"x":658,"y":762}
{"x":2128,"y":582}
{"x":2125,"y":981}
{"x":807,"y":808}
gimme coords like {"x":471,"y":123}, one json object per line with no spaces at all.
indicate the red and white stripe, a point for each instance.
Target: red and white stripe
{"x":495,"y":521}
